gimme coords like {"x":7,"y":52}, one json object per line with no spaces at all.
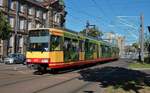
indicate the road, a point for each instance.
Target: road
{"x":19,"y":79}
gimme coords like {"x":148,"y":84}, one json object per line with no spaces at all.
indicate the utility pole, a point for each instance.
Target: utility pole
{"x":142,"y":38}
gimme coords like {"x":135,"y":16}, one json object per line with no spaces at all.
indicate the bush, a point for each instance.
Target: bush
{"x":147,"y":59}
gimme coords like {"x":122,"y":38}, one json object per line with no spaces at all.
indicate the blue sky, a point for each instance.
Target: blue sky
{"x":119,"y":16}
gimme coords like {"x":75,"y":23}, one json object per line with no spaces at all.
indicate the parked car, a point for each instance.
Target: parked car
{"x":15,"y":58}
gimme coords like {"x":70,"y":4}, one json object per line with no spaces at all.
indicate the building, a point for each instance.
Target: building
{"x":26,"y":14}
{"x":111,"y":37}
{"x":121,"y":44}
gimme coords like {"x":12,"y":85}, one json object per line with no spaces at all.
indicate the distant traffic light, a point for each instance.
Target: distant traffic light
{"x":149,"y":28}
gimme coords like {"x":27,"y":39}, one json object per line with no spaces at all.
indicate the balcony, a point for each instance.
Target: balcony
{"x":57,"y":5}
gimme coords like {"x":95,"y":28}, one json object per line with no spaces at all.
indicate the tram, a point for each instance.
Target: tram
{"x":61,"y":48}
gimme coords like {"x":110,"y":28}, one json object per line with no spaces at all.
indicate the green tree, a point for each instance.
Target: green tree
{"x":147,"y":42}
{"x":147,"y":47}
{"x":92,"y":32}
{"x":5,"y":28}
{"x":135,"y":45}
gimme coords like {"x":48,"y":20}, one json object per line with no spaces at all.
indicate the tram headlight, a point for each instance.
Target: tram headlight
{"x":28,"y":60}
{"x":44,"y":60}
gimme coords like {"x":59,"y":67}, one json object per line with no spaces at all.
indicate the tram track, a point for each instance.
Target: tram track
{"x":66,"y":81}
{"x":22,"y":80}
{"x":81,"y":87}
{"x":28,"y":78}
{"x":37,"y":91}
{"x":71,"y":79}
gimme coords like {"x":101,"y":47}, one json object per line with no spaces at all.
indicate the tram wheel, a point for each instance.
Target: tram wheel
{"x":41,"y":69}
{"x":37,"y":73}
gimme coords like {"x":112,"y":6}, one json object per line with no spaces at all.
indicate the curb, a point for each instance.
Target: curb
{"x":139,"y":68}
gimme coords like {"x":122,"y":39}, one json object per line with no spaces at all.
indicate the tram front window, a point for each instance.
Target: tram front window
{"x":39,"y":40}
{"x":39,"y":47}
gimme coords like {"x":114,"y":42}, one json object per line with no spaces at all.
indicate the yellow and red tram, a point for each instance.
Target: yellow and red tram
{"x":60,"y":48}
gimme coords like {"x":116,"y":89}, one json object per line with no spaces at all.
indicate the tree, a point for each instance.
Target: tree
{"x":147,"y":42}
{"x":135,"y":45}
{"x":147,"y":47}
{"x":5,"y":28}
{"x":92,"y":32}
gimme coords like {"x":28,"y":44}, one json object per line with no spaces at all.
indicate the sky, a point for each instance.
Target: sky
{"x":119,"y":16}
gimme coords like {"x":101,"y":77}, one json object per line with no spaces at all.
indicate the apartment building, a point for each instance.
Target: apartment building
{"x":26,"y":14}
{"x":111,"y":37}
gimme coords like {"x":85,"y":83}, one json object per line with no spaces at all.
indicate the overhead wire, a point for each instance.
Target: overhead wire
{"x":100,"y":9}
{"x":106,"y":19}
{"x":83,"y":12}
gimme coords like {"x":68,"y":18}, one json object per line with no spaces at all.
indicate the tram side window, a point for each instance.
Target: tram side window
{"x":107,"y":49}
{"x":81,"y":46}
{"x":56,"y":44}
{"x":74,"y":45}
{"x":95,"y":47}
{"x":91,"y":47}
{"x":103,"y":50}
{"x":86,"y":46}
{"x":67,"y":44}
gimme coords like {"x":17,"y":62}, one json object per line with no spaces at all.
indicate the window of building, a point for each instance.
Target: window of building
{"x":12,"y":5}
{"x":1,"y":2}
{"x":21,"y":42}
{"x":56,"y":44}
{"x":38,"y":13}
{"x":57,"y":18}
{"x":31,"y":11}
{"x":11,"y":42}
{"x":22,"y":24}
{"x":29,"y":25}
{"x":38,"y":25}
{"x":22,"y":8}
{"x":44,"y":15}
{"x":0,"y":49}
{"x":25,"y":24}
{"x":12,"y":22}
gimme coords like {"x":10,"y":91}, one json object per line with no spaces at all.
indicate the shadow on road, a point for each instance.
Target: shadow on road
{"x":117,"y":77}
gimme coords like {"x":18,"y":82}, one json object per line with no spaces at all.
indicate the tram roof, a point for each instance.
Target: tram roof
{"x":77,"y":33}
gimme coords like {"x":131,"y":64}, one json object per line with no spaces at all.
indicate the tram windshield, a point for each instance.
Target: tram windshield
{"x":39,"y":40}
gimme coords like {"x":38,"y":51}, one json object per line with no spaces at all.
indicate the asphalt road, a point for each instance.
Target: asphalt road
{"x":19,"y":79}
